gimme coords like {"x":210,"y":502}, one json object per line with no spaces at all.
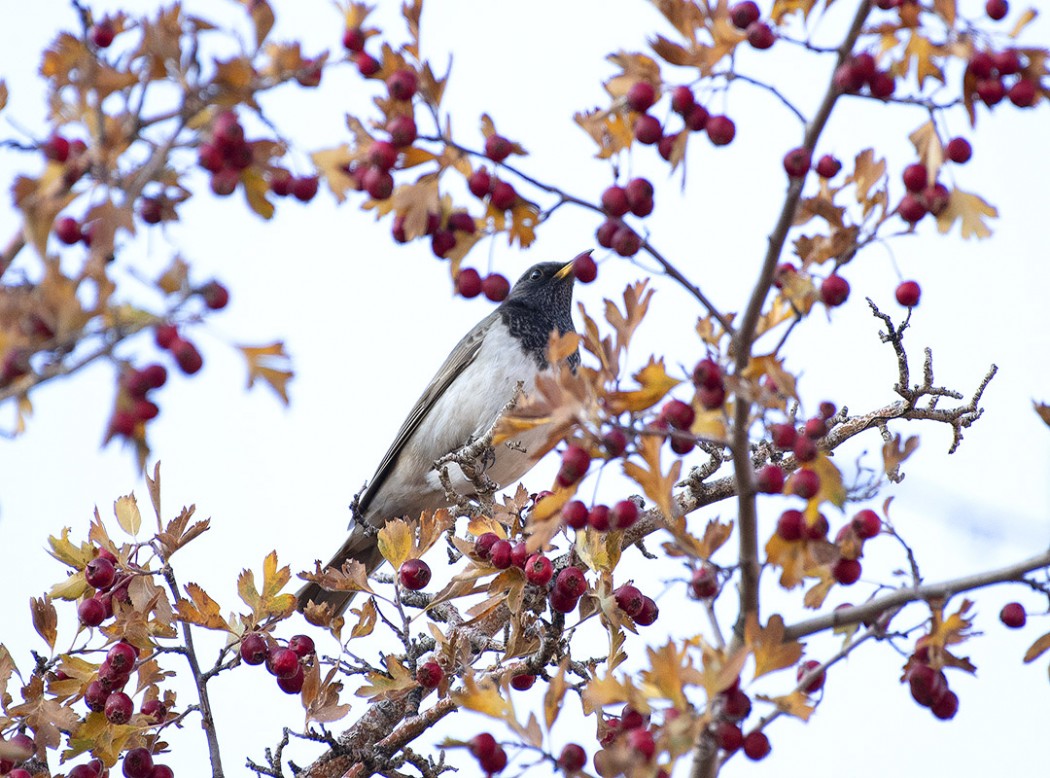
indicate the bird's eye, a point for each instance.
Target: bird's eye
{"x":536,"y":275}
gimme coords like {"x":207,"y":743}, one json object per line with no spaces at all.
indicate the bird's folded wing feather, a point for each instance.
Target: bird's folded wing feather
{"x":461,"y":356}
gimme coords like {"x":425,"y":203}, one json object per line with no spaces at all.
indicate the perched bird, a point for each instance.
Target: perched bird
{"x":476,"y":382}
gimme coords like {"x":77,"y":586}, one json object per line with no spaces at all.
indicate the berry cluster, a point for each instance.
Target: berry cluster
{"x":285,"y":663}
{"x":102,"y":574}
{"x":469,"y":284}
{"x":922,"y":196}
{"x":22,"y":747}
{"x":490,"y":754}
{"x":133,"y":405}
{"x":633,"y":734}
{"x":186,"y":355}
{"x":225,"y":154}
{"x":861,"y":71}
{"x":138,"y":763}
{"x":569,"y":586}
{"x":637,"y":198}
{"x":734,"y":706}
{"x":1001,"y":74}
{"x":929,"y":686}
{"x":642,"y":609}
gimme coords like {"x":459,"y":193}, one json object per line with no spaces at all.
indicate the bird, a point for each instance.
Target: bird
{"x":501,"y":356}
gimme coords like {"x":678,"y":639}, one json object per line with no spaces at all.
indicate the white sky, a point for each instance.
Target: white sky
{"x":367,"y":322}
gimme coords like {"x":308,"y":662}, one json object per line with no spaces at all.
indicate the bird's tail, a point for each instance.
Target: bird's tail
{"x":360,"y":546}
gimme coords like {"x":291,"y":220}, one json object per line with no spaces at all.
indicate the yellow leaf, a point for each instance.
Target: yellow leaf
{"x":396,"y":542}
{"x":201,"y":609}
{"x":657,"y":487}
{"x":482,"y":698}
{"x":782,"y":8}
{"x":3,"y":94}
{"x":971,"y":210}
{"x":867,"y":172}
{"x":268,"y":602}
{"x":789,"y":556}
{"x":555,"y":693}
{"x":610,"y":130}
{"x":922,"y":51}
{"x":946,"y":10}
{"x":771,"y":651}
{"x":831,"y":487}
{"x":366,"y":621}
{"x":928,"y":145}
{"x":796,"y":704}
{"x":63,"y":550}
{"x":1023,"y":21}
{"x":255,"y":190}
{"x":654,"y":383}
{"x":393,"y":686}
{"x":671,"y":672}
{"x":127,"y":512}
{"x":262,"y":19}
{"x":599,"y":550}
{"x":332,"y":164}
{"x":270,"y":364}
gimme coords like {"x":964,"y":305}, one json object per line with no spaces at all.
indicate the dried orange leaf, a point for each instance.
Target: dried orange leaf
{"x":45,"y":619}
{"x":971,"y":211}
{"x":392,"y":686}
{"x":201,"y":609}
{"x":270,"y":364}
{"x":893,"y":453}
{"x":771,"y":651}
{"x":1043,"y":410}
{"x":1038,"y":648}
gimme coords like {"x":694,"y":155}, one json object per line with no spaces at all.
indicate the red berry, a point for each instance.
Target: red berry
{"x":461,"y":221}
{"x":1007,"y":62}
{"x":630,"y":599}
{"x":151,"y":210}
{"x":623,"y":515}
{"x":253,"y":649}
{"x":483,"y":545}
{"x":641,"y":96}
{"x":468,"y":282}
{"x":882,"y":85}
{"x":482,"y":746}
{"x":927,"y":685}
{"x":216,"y":296}
{"x":499,"y":554}
{"x":353,"y":39}
{"x":828,"y":166}
{"x":562,"y":601}
{"x":67,"y":230}
{"x":760,"y":35}
{"x":122,"y":657}
{"x":282,"y":662}
{"x":102,"y":33}
{"x":805,"y":448}
{"x":981,"y":64}
{"x":915,"y":177}
{"x":430,"y":675}
{"x":790,"y":525}
{"x":626,"y":241}
{"x":503,"y":196}
{"x":442,"y":242}
{"x":162,"y":771}
{"x":574,"y":463}
{"x":704,"y":582}
{"x":770,"y":480}
{"x":614,"y":201}
{"x":187,"y":356}
{"x":575,"y":514}
{"x":936,"y":198}
{"x":91,"y":612}
{"x":682,"y":100}
{"x":522,"y":682}
{"x":887,"y":5}
{"x":402,"y":131}
{"x":223,"y":182}
{"x":383,"y":154}
{"x":480,"y":182}
{"x":494,"y":763}
{"x":996,"y":9}
{"x":736,"y":704}
{"x":946,"y":706}
{"x":95,"y":696}
{"x":302,"y":645}
{"x":728,"y":736}
{"x":20,"y":772}
{"x":414,"y":574}
{"x":367,"y":65}
{"x":538,"y":570}
{"x":847,"y":78}
{"x":647,"y":129}
{"x":697,"y":118}
{"x":744,"y":14}
{"x":911,"y":208}
{"x":711,"y":398}
{"x":55,"y":148}
{"x":402,"y":84}
{"x":614,"y":442}
{"x":155,"y":710}
{"x":497,"y":148}
{"x":639,"y":194}
{"x":991,"y":90}
{"x":817,"y":682}
{"x":721,"y":130}
{"x":908,"y":293}
{"x":606,"y":232}
{"x":959,"y":150}
{"x":209,"y":157}
{"x":866,"y":524}
{"x":784,"y":436}
{"x":756,"y":745}
{"x":834,"y":290}
{"x":707,"y":374}
{"x":138,"y":763}
{"x":815,"y":428}
{"x":119,"y":708}
{"x":378,"y":183}
{"x":817,"y":530}
{"x":1022,"y":94}
{"x":846,"y":571}
{"x":1013,"y":615}
{"x":310,"y":75}
{"x":496,"y":287}
{"x":571,"y":582}
{"x":678,"y":414}
{"x":666,"y":146}
{"x":648,"y":614}
{"x":584,"y":268}
{"x":572,"y":759}
{"x":100,"y":573}
{"x":864,"y":67}
{"x":293,"y":684}
{"x":598,"y":518}
{"x":805,"y":483}
{"x":641,"y":742}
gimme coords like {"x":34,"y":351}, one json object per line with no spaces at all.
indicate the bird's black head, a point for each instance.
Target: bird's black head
{"x":539,"y":303}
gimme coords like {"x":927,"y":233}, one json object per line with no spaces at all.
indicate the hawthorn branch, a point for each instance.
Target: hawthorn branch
{"x":931,"y":591}
{"x":750,"y":567}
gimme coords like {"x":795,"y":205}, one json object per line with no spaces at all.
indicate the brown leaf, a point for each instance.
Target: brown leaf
{"x":1023,"y":21}
{"x":610,"y":130}
{"x":393,"y":685}
{"x":45,"y":619}
{"x":970,"y":210}
{"x":270,"y":601}
{"x":552,"y":698}
{"x":657,"y":485}
{"x":46,"y":717}
{"x":930,"y":150}
{"x":771,"y":651}
{"x":1043,"y":410}
{"x":322,"y":703}
{"x":179,"y":532}
{"x":1038,"y":648}
{"x":270,"y":364}
{"x":867,"y":173}
{"x":893,"y":454}
{"x":262,"y":19}
{"x":352,"y":577}
{"x":201,"y":609}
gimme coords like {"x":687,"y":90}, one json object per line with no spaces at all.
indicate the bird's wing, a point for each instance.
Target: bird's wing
{"x":461,"y":356}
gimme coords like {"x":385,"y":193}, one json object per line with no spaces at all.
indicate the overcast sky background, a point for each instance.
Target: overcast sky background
{"x":367,"y":322}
